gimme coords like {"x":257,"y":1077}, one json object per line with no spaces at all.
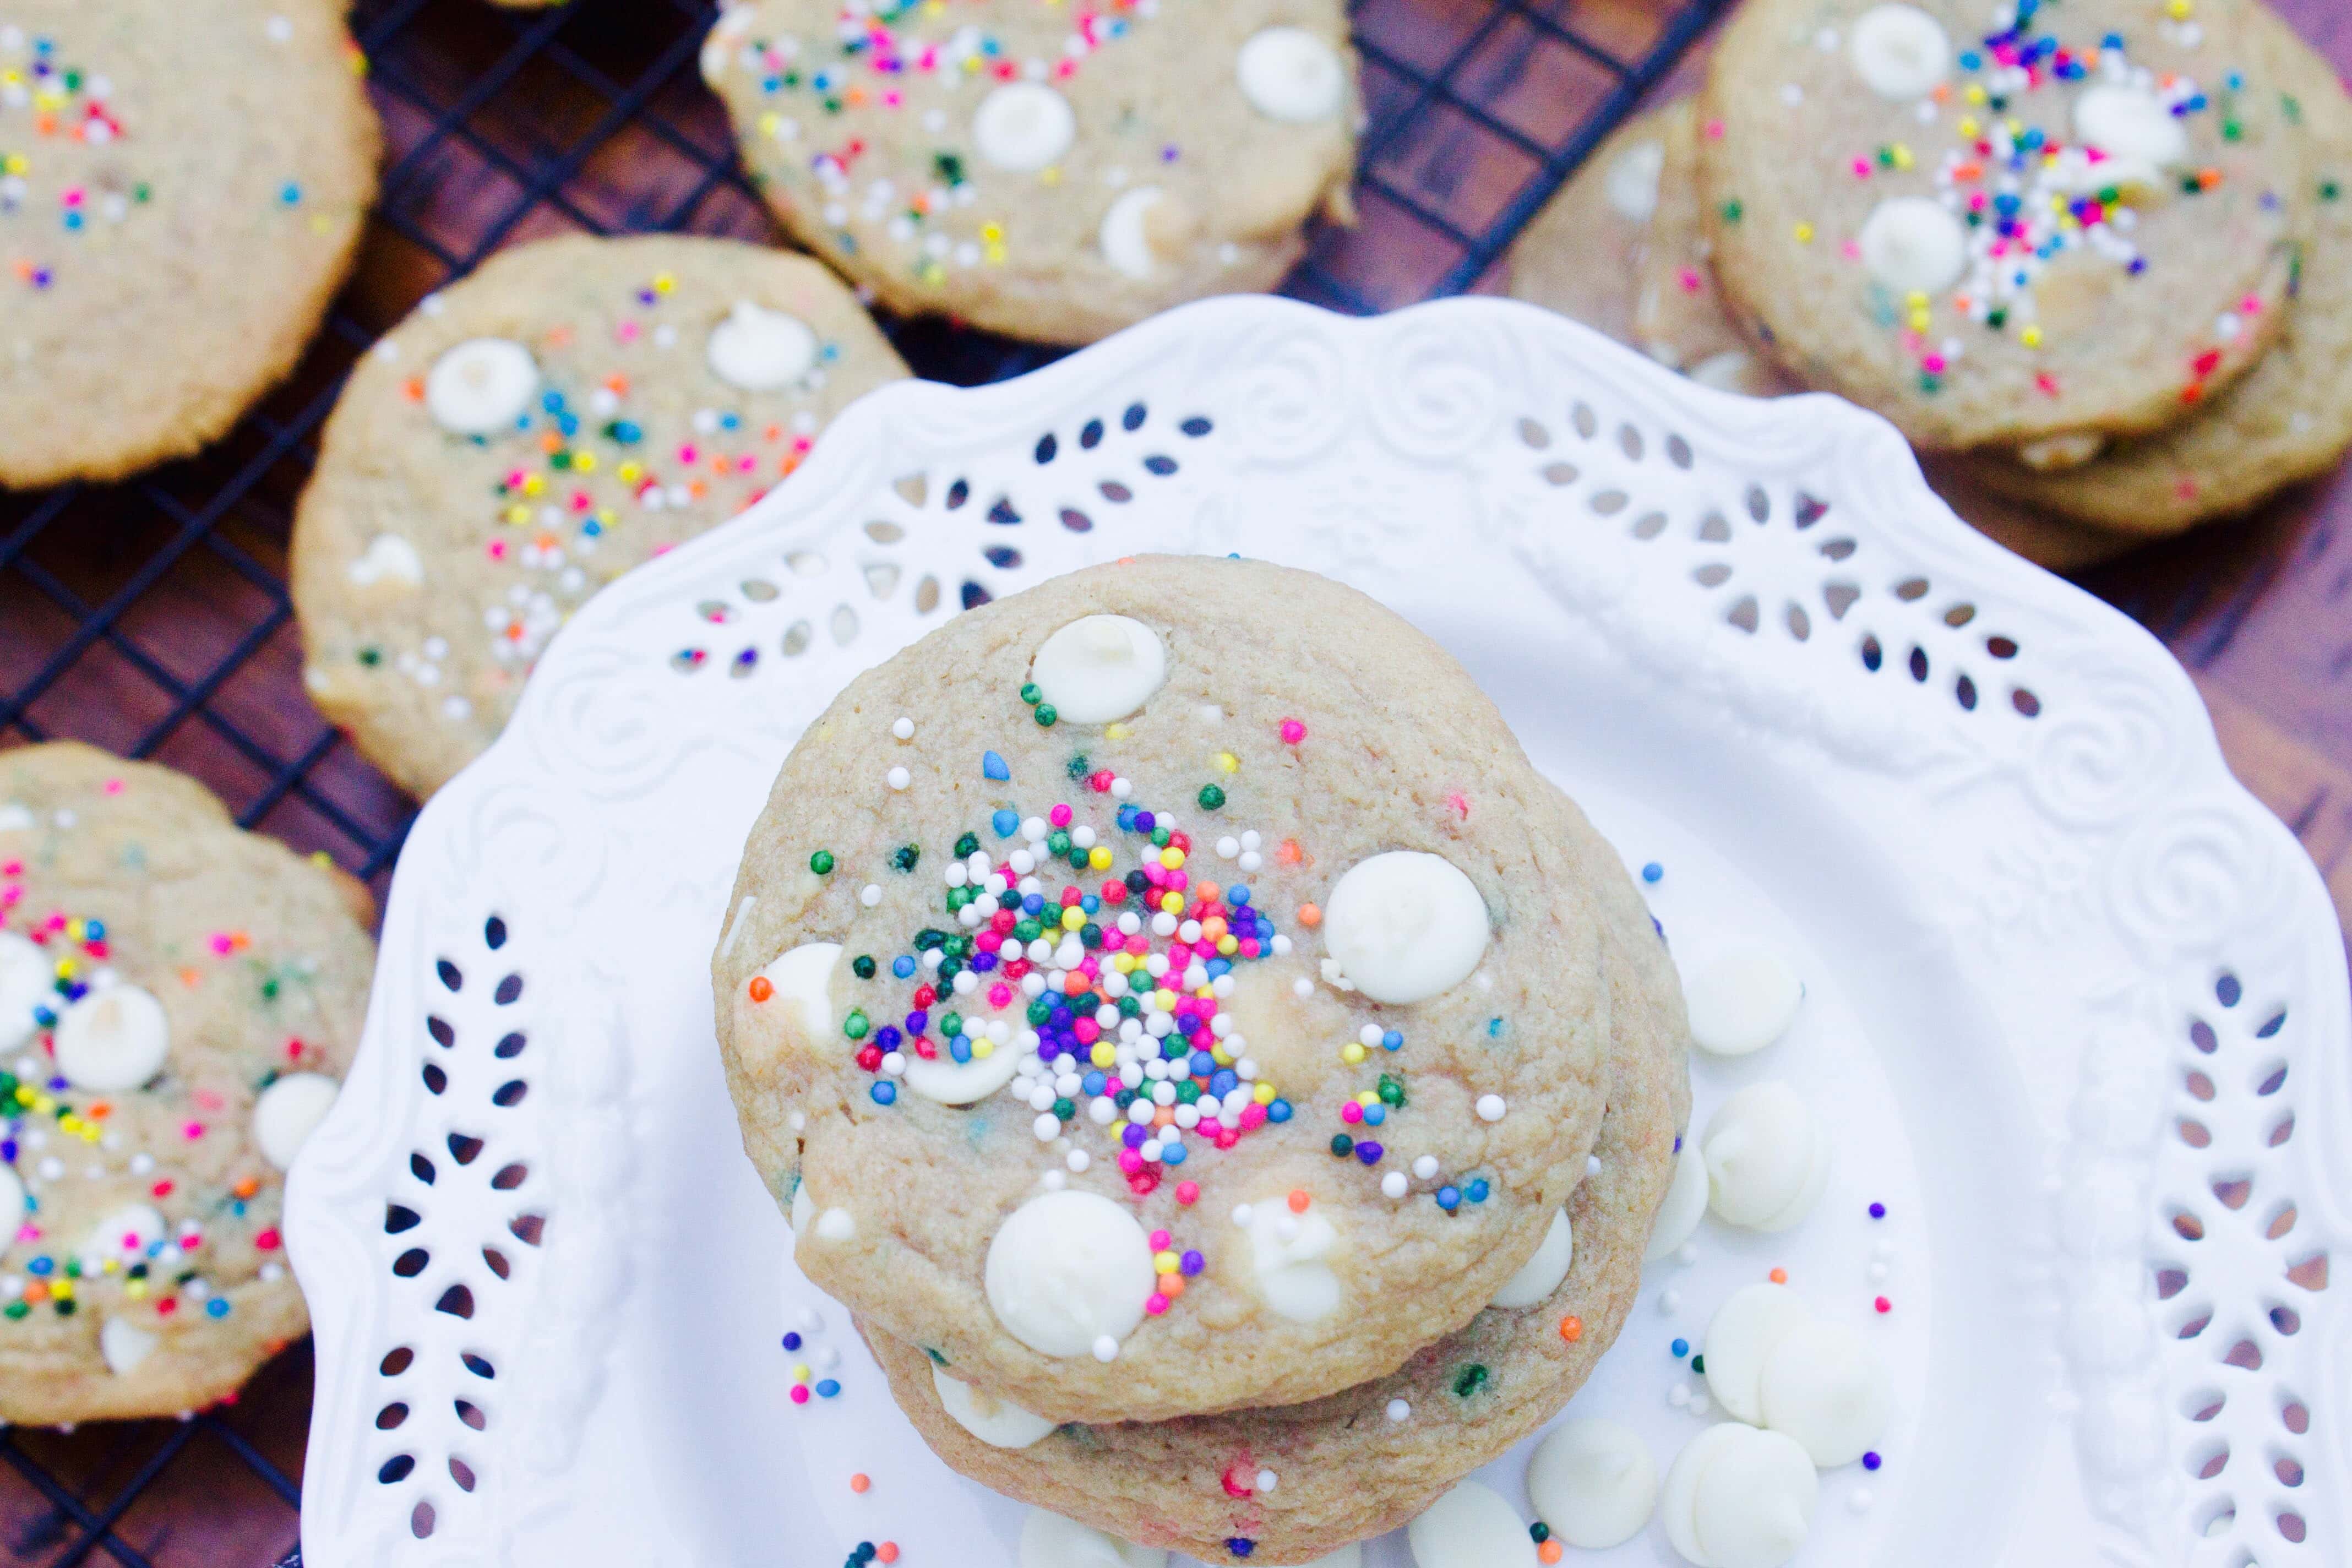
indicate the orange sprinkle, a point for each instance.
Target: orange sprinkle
{"x":860,"y":1481}
{"x":1287,"y":852}
{"x":774,"y":433}
{"x":1550,"y":1552}
{"x":551,"y":442}
{"x":191,"y":977}
{"x":99,"y":1110}
{"x":1571,"y":1328}
{"x":1171,"y":1286}
{"x":762,"y":988}
{"x":559,"y":335}
{"x":414,"y":389}
{"x":1299,"y":1200}
{"x":1310,"y":915}
{"x":1163,"y":1116}
{"x":697,"y":489}
{"x":888,"y":1552}
{"x":1778,"y":1276}
{"x":36,"y":1292}
{"x":1206,"y":891}
{"x":618,"y":382}
{"x":246,"y":1188}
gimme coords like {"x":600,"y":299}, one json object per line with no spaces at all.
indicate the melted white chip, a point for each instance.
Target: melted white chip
{"x":1068,"y":1270}
{"x":1738,"y":1497}
{"x":1913,"y":245}
{"x":1740,"y":1339}
{"x":288,"y":1112}
{"x":760,"y":350}
{"x":804,"y":1215}
{"x":1630,"y":183}
{"x":1826,"y":1388}
{"x":1099,"y":667}
{"x":1049,"y":1541}
{"x":25,"y":985}
{"x":388,"y":558}
{"x":1684,"y":1207}
{"x":124,"y":1237}
{"x":1125,"y":237}
{"x":1767,"y":1158}
{"x":124,"y":1345}
{"x":802,"y":979}
{"x":480,"y":386}
{"x":12,"y":1205}
{"x":112,"y":1039}
{"x":1405,"y":926}
{"x":951,"y":1082}
{"x":1742,"y":1000}
{"x":2131,"y":124}
{"x":999,"y":1422}
{"x":1471,"y":1527}
{"x":1022,"y":127}
{"x":1541,"y":1275}
{"x":1594,"y":1482}
{"x":836,"y":1225}
{"x":1289,"y":74}
{"x":1288,"y":1254}
{"x":1899,"y":51}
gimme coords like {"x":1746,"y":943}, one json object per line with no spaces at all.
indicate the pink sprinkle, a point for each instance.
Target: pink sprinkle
{"x":221,"y":943}
{"x":1933,"y":364}
{"x":1715,"y":129}
{"x":113,"y":786}
{"x":1351,"y":1113}
{"x":1690,"y":280}
{"x":1210,"y":1127}
{"x":582,"y":500}
{"x":1293,"y":732}
{"x":1187,"y":1193}
{"x":1852,"y":250}
{"x":497,"y":549}
{"x":627,"y":332}
{"x":193,"y":1130}
{"x":1862,"y":168}
{"x":891,"y":99}
{"x":1253,"y":1115}
{"x":1000,"y":995}
{"x":1160,"y":1240}
{"x":686,"y":453}
{"x":1059,"y":816}
{"x":1155,"y":1303}
{"x":1178,"y":881}
{"x":1065,"y":69}
{"x":1130,"y":1162}
{"x":799,"y":1394}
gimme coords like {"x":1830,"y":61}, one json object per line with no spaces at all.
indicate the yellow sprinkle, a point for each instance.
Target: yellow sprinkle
{"x":583,"y":462}
{"x":1351,"y":1053}
{"x":63,"y":1289}
{"x":971,"y":65}
{"x":43,"y":1105}
{"x":991,"y":233}
{"x":1968,"y":127}
{"x":1902,"y":159}
{"x":1804,"y":234}
{"x":996,"y":256}
{"x":1165,"y":1262}
{"x":607,"y":516}
{"x":89,"y":1132}
{"x":535,"y":485}
{"x":2030,"y":337}
{"x":2179,"y":10}
{"x":71,"y":1123}
{"x":1124,"y":962}
{"x":65,"y":968}
{"x":801,"y":1372}
{"x":1073,"y":918}
{"x":1115,"y":732}
{"x":1227,"y":762}
{"x":1171,"y":857}
{"x":1102,"y":1055}
{"x":1227,"y":945}
{"x":1219,"y":1055}
{"x":1366,"y":1097}
{"x":1920,"y":321}
{"x":18,"y":163}
{"x":1051,"y":176}
{"x":1173,"y":903}
{"x":981,"y":1050}
{"x":665,"y":283}
{"x":321,"y":858}
{"x":517,"y":515}
{"x":135,"y":1290}
{"x":1098,"y":858}
{"x":770,"y":123}
{"x":630,"y":472}
{"x":1262,"y":1094}
{"x":1975,"y":94}
{"x":1916,"y":300}
{"x":1164,"y":999}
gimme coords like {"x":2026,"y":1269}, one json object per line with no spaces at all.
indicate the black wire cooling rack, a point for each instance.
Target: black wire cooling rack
{"x":151,"y":618}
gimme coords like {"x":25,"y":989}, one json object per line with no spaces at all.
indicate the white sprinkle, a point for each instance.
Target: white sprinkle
{"x":1592,"y":1166}
{"x":1078,"y":1160}
{"x":904,"y":729}
{"x":899,"y":778}
{"x":871,"y":894}
{"x":1670,"y":1302}
{"x":1490,"y":1107}
{"x":1677,"y":1396}
{"x":1425,"y":1167}
{"x":1242,"y":1216}
{"x":1302,"y":986}
{"x":1047,"y":1127}
{"x":1266,"y":1480}
{"x":1250,"y":861}
{"x":1053,"y":1181}
{"x":1106,"y":1349}
{"x":1399,"y":1410}
{"x":1394,"y":1183}
{"x":1792,"y":94}
{"x":1228,"y":847}
{"x":1120,"y":789}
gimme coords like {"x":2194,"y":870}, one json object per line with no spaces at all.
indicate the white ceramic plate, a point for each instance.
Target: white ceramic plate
{"x":2077,"y":1005}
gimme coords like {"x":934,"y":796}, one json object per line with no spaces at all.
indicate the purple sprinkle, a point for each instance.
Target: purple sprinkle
{"x":1134,"y":1136}
{"x":1871,"y":1461}
{"x":1370,"y":1153}
{"x":1878,"y":1211}
{"x":1192,"y":1263}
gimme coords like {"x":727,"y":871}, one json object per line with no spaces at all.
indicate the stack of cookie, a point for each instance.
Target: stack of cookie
{"x":2090,"y":259}
{"x":1230,"y":1086}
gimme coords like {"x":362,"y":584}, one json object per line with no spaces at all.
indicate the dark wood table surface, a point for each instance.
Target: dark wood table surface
{"x":2260,"y":611}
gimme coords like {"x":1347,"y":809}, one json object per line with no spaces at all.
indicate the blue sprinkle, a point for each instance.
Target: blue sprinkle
{"x":992,"y":766}
{"x":884,"y":1093}
{"x":1479,"y":1190}
{"x":1240,"y":1545}
{"x":1277,"y":1110}
{"x":1680,"y":1348}
{"x":1237,"y":897}
{"x":1093,"y":1083}
{"x":1033,"y":903}
{"x":1375,"y":1114}
{"x":791,"y":1341}
{"x":1449,"y":1198}
{"x":1494,"y":1028}
{"x":826,"y":1388}
{"x":216,"y":1307}
{"x":902,"y":966}
{"x":1653,"y":871}
{"x":1203,"y":1064}
{"x":1222,"y":1082}
{"x":1878,"y":1211}
{"x":39,"y":1265}
{"x":1171,"y":1154}
{"x":961,"y":1049}
{"x":1393,"y":1041}
{"x":1006,"y":823}
{"x":290,"y":194}
{"x":1093,"y":905}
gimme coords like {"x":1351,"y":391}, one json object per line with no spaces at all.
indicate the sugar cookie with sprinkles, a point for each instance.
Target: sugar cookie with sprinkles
{"x":1664,"y":301}
{"x":1051,"y":172}
{"x":1166,"y":990}
{"x":573,"y":408}
{"x":182,"y":188}
{"x":179,"y":1000}
{"x":2002,"y":223}
{"x":1288,"y":1484}
{"x":2291,"y":416}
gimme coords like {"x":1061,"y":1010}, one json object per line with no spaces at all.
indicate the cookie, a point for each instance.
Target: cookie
{"x":182,"y":188}
{"x":573,"y":408}
{"x":1999,"y":223}
{"x":1659,"y":295}
{"x":1330,"y":1048}
{"x":1047,"y":173}
{"x":1285,"y":1485}
{"x":178,"y":1001}
{"x":2291,"y":417}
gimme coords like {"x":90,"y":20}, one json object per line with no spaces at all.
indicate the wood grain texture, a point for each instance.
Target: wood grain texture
{"x":1475,"y":103}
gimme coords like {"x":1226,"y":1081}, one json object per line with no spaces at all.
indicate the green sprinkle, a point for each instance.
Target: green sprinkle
{"x":951,"y":1025}
{"x":936,"y":1359}
{"x":1733,"y":211}
{"x":1046,"y":715}
{"x":371,"y":656}
{"x":1342,"y":1145}
{"x":862,"y":966}
{"x":1064,"y":1109}
{"x":930,"y":937}
{"x":1539,"y":1533}
{"x":1028,"y":929}
{"x":1997,"y":319}
{"x":1090,"y":935}
{"x":1469,"y":1380}
{"x":1031,"y":695}
{"x":822,"y":862}
{"x":1078,"y":767}
{"x":1161,"y":836}
{"x":857,"y":1025}
{"x":1057,"y":842}
{"x":1039,"y":1011}
{"x":1391,"y":1091}
{"x":1187,"y":1092}
{"x":1211,"y":798}
{"x":15,"y":1311}
{"x":968,"y":846}
{"x":2232,"y":131}
{"x":948,"y":166}
{"x":1698,"y":1364}
{"x":904,"y":856}
{"x":2329,"y":190}
{"x":2292,"y":106}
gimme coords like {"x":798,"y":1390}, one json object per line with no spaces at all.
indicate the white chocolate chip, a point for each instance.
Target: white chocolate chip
{"x":288,"y":1112}
{"x":1767,"y":1157}
{"x":760,"y":350}
{"x":1912,"y":245}
{"x":480,"y":386}
{"x":1630,"y":183}
{"x":1738,"y":1497}
{"x":1289,"y":1260}
{"x":1740,"y":1340}
{"x":802,"y":980}
{"x":1289,"y":74}
{"x":1471,"y":1527}
{"x":1404,"y":926}
{"x":1541,"y":1275}
{"x":26,"y":981}
{"x":1684,"y":1207}
{"x":1099,"y":669}
{"x":125,"y":1345}
{"x":1022,"y":127}
{"x":114,"y":1038}
{"x":1068,"y":1273}
{"x":388,"y":558}
{"x":1899,"y":51}
{"x":1742,"y":1000}
{"x":1825,"y":1387}
{"x":1594,"y":1482}
{"x":999,"y":1422}
{"x":2130,"y":124}
{"x":1125,"y":237}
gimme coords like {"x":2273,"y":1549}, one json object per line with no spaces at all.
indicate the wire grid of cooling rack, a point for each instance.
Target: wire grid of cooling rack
{"x":151,"y":618}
